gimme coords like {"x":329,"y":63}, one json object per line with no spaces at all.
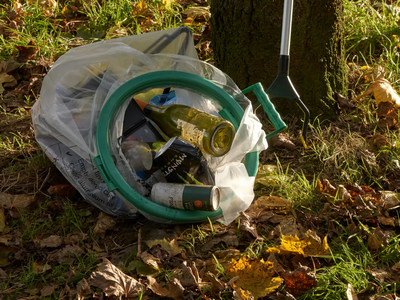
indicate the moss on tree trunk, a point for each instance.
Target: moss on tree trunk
{"x":246,"y":36}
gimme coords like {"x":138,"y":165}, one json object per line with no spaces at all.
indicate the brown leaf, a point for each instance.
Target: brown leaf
{"x":22,"y":202}
{"x":281,"y":140}
{"x":351,"y":293}
{"x":26,"y":53}
{"x":378,"y":140}
{"x":48,"y":290}
{"x":67,"y":254}
{"x":288,"y":226}
{"x":343,"y":101}
{"x":83,"y":289}
{"x":276,"y":265}
{"x":386,"y":221}
{"x":52,"y":241}
{"x":378,"y":239}
{"x":217,"y":285}
{"x":3,"y":274}
{"x":383,"y":92}
{"x":66,"y":190}
{"x":172,"y":291}
{"x":379,"y":274}
{"x":246,"y":225}
{"x":240,"y":294}
{"x":369,"y":292}
{"x":5,"y":251}
{"x":300,"y":280}
{"x":2,"y":220}
{"x":197,"y":13}
{"x":113,"y":282}
{"x":231,"y":240}
{"x":189,"y":276}
{"x":39,"y":269}
{"x":390,"y":199}
{"x":104,"y":223}
{"x":277,"y":204}
{"x":171,"y":247}
{"x":150,"y":260}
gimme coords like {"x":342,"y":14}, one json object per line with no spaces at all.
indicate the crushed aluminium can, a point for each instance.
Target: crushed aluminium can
{"x":186,"y":196}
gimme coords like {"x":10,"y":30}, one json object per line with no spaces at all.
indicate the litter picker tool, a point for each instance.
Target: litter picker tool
{"x":282,"y":86}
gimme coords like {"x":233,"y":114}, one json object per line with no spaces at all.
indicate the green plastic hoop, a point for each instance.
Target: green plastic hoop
{"x":231,"y":111}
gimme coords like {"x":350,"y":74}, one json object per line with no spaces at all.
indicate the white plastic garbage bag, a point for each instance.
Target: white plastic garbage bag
{"x":80,"y":82}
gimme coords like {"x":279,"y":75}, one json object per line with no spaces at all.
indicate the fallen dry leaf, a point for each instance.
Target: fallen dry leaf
{"x":48,"y":290}
{"x":378,"y":239}
{"x":276,"y":265}
{"x":38,"y":268}
{"x":299,"y":280}
{"x":245,"y":222}
{"x":378,"y":140}
{"x":257,"y":277}
{"x":26,"y":53}
{"x":281,"y":140}
{"x":217,"y":285}
{"x":52,"y":241}
{"x":310,"y":245}
{"x":387,"y":221}
{"x":197,"y":12}
{"x":190,"y":275}
{"x":274,"y":203}
{"x":67,"y":190}
{"x":351,"y":293}
{"x":6,"y":80}
{"x":171,"y":247}
{"x":104,"y":223}
{"x":240,"y":294}
{"x":83,"y":290}
{"x":66,"y":255}
{"x":150,"y":260}
{"x":113,"y":282}
{"x":383,"y":92}
{"x":2,"y":220}
{"x":21,"y":202}
{"x":171,"y":291}
{"x":343,"y":101}
{"x":379,"y":274}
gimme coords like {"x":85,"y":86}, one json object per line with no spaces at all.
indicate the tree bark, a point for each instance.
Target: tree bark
{"x":246,"y":36}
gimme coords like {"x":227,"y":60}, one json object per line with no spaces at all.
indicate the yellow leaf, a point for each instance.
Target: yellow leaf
{"x":254,"y":276}
{"x":168,"y":3}
{"x":383,"y":92}
{"x":140,"y":8}
{"x":289,"y":245}
{"x":310,"y":245}
{"x":65,"y":11}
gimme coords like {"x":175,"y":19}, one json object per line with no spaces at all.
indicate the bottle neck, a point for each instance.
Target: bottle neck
{"x":150,"y":109}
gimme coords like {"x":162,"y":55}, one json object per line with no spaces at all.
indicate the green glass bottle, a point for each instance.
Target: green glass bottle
{"x":213,"y":135}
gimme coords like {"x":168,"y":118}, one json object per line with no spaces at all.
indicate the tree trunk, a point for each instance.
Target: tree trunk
{"x":246,"y":36}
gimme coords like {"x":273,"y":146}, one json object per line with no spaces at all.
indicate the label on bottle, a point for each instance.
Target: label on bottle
{"x":190,"y":132}
{"x":186,"y":196}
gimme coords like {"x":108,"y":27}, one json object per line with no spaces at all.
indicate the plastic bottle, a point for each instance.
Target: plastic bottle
{"x":213,"y":135}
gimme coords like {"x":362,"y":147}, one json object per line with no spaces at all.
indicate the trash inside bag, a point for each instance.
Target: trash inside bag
{"x":65,"y":120}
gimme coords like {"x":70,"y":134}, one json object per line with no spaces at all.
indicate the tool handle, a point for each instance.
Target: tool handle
{"x":268,"y":107}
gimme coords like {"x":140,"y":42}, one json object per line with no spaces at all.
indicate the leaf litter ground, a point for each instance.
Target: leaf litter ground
{"x":310,"y":217}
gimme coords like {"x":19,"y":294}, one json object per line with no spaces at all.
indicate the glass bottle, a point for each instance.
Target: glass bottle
{"x":213,"y":135}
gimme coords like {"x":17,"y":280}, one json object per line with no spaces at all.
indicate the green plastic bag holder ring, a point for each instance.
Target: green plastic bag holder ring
{"x":231,"y":111}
